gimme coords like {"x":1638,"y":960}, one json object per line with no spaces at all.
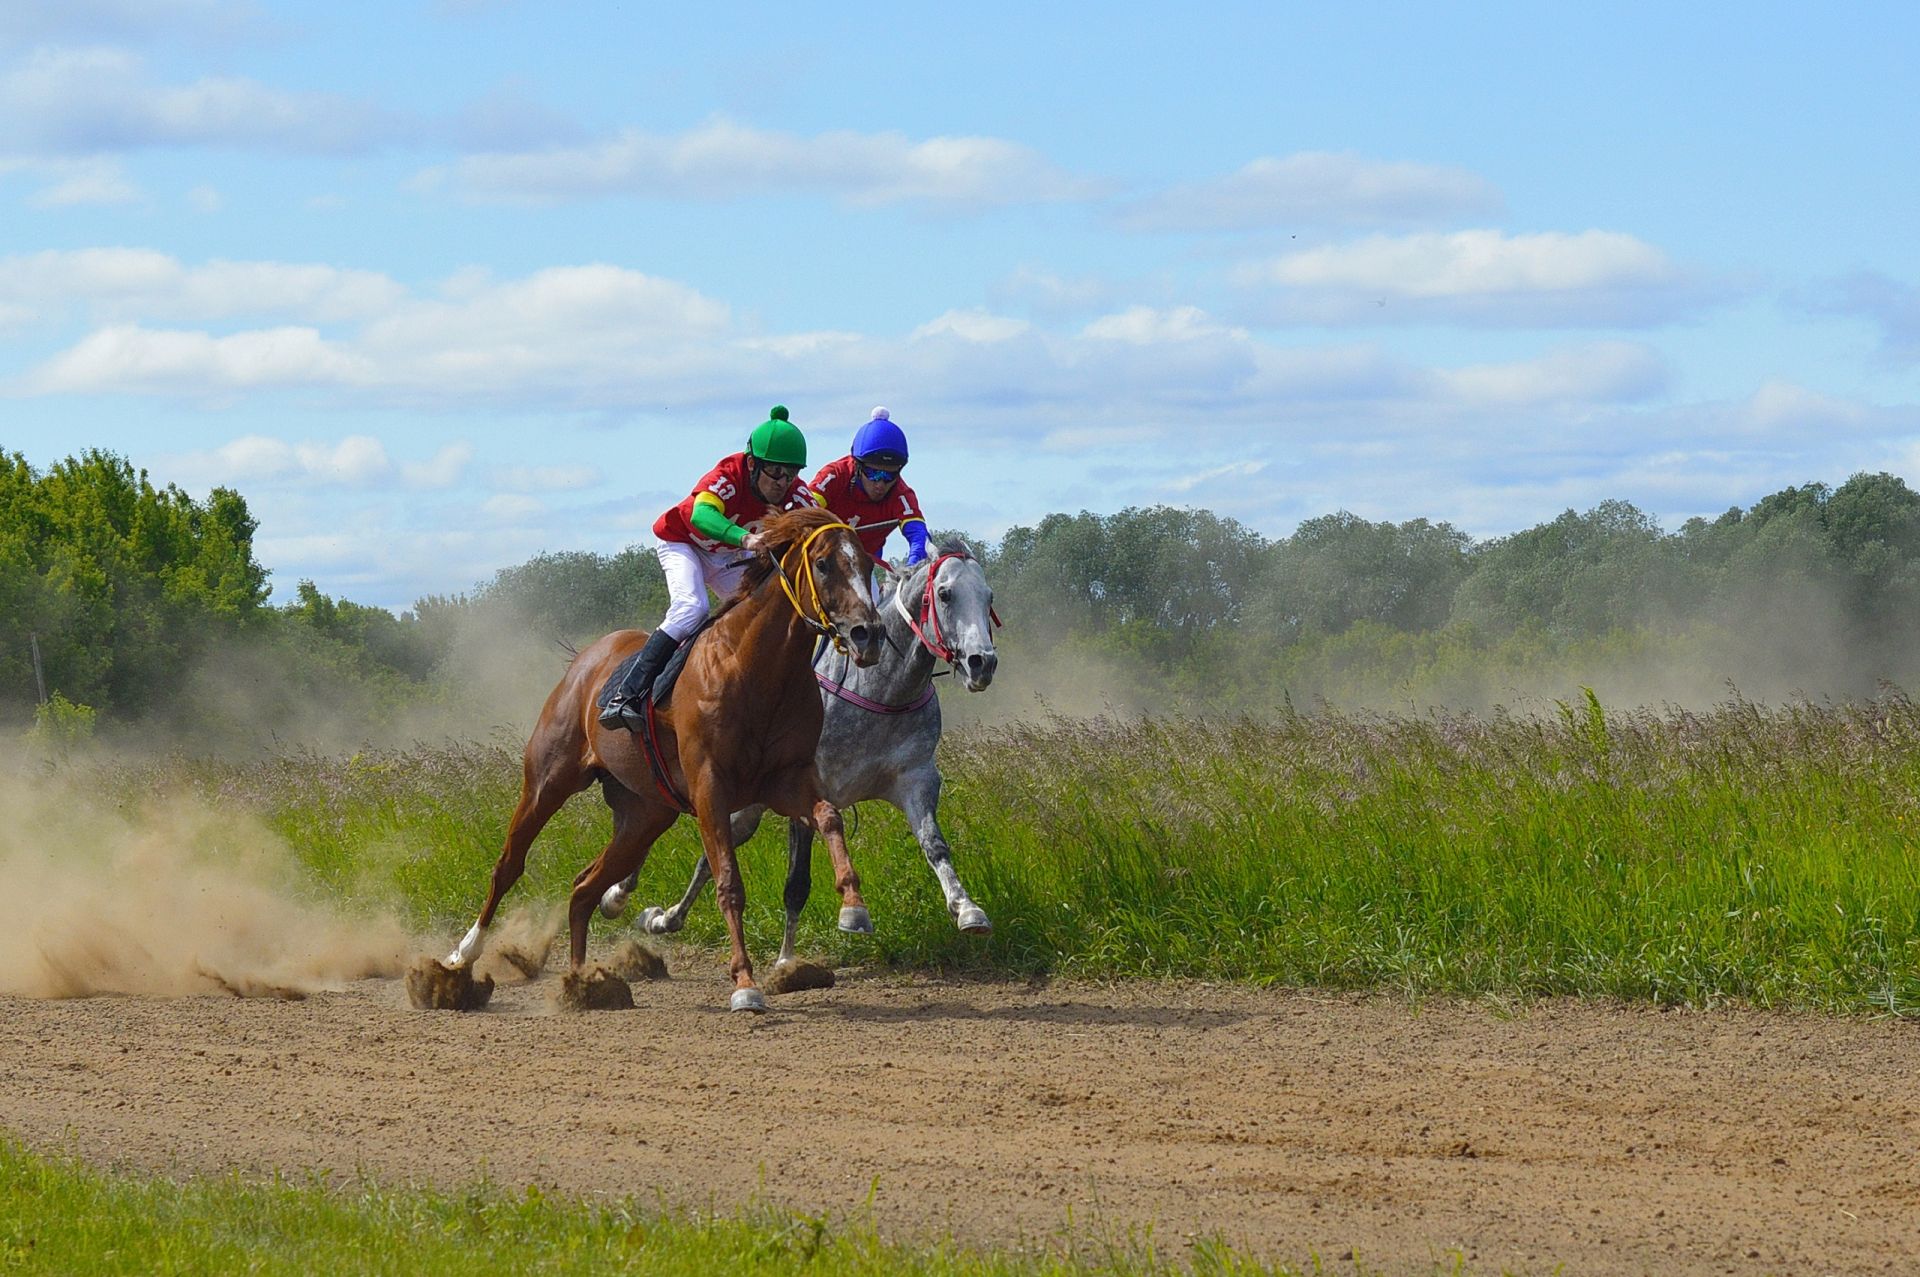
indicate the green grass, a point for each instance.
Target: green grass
{"x":1764,"y":855}
{"x":57,"y":1216}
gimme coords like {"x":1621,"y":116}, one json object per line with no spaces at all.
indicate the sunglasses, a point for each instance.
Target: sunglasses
{"x":878,"y":476}
{"x":779,"y":474}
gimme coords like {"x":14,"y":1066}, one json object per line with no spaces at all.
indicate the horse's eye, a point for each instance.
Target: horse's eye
{"x":946,"y":596}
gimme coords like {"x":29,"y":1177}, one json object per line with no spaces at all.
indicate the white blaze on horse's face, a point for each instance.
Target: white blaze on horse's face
{"x":852,"y":616}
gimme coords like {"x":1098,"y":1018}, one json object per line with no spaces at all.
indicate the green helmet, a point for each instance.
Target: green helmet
{"x":778,"y":440}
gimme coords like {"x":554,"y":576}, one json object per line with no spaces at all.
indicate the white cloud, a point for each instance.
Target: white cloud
{"x":86,"y":183}
{"x":975,"y":326}
{"x":444,"y":469}
{"x":67,"y":101}
{"x":723,"y":160}
{"x":512,"y":506}
{"x":1473,"y":263}
{"x":129,"y":359}
{"x":1050,"y":293}
{"x":33,"y":21}
{"x":1782,"y":406}
{"x":1600,"y":372}
{"x":1186,"y":483}
{"x":205,"y":199}
{"x":1476,"y":276}
{"x":140,"y":284}
{"x":1147,"y":326}
{"x":1317,"y":188}
{"x":355,"y":461}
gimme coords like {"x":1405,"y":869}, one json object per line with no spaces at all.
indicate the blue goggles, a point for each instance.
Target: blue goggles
{"x":876,"y":474}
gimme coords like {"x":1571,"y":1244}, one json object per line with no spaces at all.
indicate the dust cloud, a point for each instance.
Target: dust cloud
{"x":166,"y":898}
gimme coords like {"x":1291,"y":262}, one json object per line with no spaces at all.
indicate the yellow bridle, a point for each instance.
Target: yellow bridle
{"x":825,"y":623}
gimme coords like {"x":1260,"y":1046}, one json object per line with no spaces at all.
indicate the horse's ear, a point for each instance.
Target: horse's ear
{"x":965,"y":548}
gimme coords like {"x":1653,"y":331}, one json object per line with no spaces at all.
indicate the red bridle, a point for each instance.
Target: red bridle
{"x":930,"y":614}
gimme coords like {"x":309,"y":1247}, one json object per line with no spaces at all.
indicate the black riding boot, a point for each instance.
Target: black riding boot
{"x":623,"y":699}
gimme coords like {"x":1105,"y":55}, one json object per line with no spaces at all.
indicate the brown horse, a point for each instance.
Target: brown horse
{"x":742,"y":727}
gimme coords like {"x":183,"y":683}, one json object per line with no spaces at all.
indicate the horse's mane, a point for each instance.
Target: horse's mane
{"x":897,"y":580}
{"x":782,"y":531}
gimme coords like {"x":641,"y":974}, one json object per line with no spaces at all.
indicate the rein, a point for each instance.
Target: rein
{"x":824,"y":625}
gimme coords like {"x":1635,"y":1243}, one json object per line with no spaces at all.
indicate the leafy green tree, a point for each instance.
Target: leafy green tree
{"x":1577,"y":577}
{"x":122,"y":582}
{"x":1338,"y":570}
{"x":1154,"y":579}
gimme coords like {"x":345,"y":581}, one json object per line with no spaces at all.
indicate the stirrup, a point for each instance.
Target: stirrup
{"x":624,"y":712}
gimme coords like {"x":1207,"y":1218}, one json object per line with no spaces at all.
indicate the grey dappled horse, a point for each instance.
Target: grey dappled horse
{"x":881,"y":727}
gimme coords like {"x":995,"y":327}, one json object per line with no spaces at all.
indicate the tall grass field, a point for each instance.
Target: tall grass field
{"x":1759,"y":854}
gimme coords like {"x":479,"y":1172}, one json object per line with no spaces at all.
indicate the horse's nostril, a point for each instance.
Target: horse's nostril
{"x":859,"y":635}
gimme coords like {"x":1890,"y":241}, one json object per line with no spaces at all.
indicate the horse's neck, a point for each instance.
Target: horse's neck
{"x":769,"y":623}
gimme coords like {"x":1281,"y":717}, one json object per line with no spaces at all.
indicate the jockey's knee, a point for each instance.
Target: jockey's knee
{"x":685,"y":615}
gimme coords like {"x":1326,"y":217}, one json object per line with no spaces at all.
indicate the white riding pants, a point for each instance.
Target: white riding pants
{"x":691,"y":572}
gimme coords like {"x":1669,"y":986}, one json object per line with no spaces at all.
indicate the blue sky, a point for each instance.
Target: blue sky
{"x":442,"y":285}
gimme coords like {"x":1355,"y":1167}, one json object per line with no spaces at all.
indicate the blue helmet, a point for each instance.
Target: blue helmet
{"x":881,"y":442}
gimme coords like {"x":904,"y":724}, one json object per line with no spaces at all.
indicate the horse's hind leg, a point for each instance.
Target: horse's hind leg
{"x":637,"y":824}
{"x":918,"y":795}
{"x":543,"y":791}
{"x":657,"y":921}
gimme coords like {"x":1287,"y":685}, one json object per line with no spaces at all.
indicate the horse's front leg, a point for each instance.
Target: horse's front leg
{"x":731,"y":892}
{"x":918,"y":795}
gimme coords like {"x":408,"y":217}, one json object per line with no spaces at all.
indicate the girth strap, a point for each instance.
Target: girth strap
{"x":657,"y":761}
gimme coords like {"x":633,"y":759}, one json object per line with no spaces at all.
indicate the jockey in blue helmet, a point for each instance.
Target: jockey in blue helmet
{"x":865,"y":488}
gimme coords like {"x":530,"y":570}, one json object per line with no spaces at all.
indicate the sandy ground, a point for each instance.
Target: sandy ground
{"x":1607,"y":1139}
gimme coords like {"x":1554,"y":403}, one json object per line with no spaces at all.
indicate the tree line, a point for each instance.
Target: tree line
{"x":122,"y":585}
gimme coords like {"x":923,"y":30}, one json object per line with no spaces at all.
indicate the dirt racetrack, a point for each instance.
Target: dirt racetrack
{"x":1609,"y":1139}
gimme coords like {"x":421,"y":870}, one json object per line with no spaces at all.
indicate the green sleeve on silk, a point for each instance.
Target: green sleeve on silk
{"x":709,"y":520}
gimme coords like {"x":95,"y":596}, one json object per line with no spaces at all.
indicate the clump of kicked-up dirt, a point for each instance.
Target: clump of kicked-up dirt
{"x":631,"y":960}
{"x":432,"y":985}
{"x":518,"y":948}
{"x":594,"y":988}
{"x":796,"y":977}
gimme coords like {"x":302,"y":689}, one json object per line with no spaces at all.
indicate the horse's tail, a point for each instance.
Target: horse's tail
{"x":573,"y":653}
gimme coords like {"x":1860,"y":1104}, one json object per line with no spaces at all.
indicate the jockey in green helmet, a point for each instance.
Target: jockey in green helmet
{"x":698,"y":541}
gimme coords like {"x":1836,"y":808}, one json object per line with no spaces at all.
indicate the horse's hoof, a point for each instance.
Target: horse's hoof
{"x":856,"y":919}
{"x":974,"y":921}
{"x":654,"y":921}
{"x":614,"y":902}
{"x":748,"y":1000}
